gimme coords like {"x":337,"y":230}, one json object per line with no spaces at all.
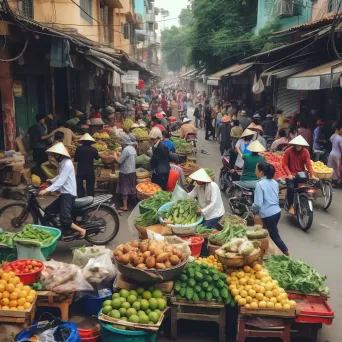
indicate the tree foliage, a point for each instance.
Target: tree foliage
{"x":185,"y":17}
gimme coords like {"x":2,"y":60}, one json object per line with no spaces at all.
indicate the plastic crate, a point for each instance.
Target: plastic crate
{"x":110,"y":334}
{"x":313,"y":309}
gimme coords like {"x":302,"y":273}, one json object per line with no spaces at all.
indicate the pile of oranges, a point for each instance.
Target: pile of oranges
{"x":149,"y":188}
{"x":14,"y":295}
{"x":211,"y":261}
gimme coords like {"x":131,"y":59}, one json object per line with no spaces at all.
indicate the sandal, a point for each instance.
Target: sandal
{"x":124,"y":209}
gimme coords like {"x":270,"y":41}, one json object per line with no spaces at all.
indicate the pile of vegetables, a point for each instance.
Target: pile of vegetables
{"x":100,"y":146}
{"x":201,"y":282}
{"x":103,"y":135}
{"x":256,"y":232}
{"x":182,"y":212}
{"x":211,"y":261}
{"x":210,"y":172}
{"x":296,"y":275}
{"x":277,"y":161}
{"x":147,"y":219}
{"x":203,"y":230}
{"x":232,"y":219}
{"x":24,"y":266}
{"x":140,"y":133}
{"x":149,"y":188}
{"x":252,"y":287}
{"x":158,"y":200}
{"x":127,"y":124}
{"x":148,"y":254}
{"x":181,"y":145}
{"x":238,"y":246}
{"x":230,"y":231}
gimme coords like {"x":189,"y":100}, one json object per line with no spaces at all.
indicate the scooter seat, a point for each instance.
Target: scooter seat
{"x":83,"y":202}
{"x":244,"y":187}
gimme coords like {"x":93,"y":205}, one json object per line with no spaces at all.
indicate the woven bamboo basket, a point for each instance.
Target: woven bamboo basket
{"x":143,"y":180}
{"x":239,"y":260}
{"x":142,"y":173}
{"x":324,"y":175}
{"x":188,"y":170}
{"x":145,"y":195}
{"x":226,"y":217}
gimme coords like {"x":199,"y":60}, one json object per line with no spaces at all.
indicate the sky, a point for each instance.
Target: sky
{"x":174,"y":7}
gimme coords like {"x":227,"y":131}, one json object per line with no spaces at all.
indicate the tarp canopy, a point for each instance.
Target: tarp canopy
{"x":321,"y":77}
{"x":286,"y":71}
{"x":233,"y":70}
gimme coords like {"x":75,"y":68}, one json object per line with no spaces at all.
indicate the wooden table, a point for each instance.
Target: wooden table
{"x":207,"y":311}
{"x":56,"y":300}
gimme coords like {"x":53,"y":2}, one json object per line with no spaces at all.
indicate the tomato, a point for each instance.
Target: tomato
{"x":26,"y":270}
{"x":28,"y":262}
{"x":29,"y":267}
{"x":34,"y":263}
{"x":37,"y":268}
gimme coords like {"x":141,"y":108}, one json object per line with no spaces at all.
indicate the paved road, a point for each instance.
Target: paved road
{"x":321,"y":247}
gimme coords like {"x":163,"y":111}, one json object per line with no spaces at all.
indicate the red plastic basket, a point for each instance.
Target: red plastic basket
{"x":313,"y":309}
{"x":195,"y":246}
{"x":27,"y":278}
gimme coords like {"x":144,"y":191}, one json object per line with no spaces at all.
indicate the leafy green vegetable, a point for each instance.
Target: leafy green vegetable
{"x":158,"y":200}
{"x":230,"y":231}
{"x":147,"y":219}
{"x":296,"y":275}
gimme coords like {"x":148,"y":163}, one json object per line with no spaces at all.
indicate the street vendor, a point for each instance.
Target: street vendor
{"x":186,"y":128}
{"x":160,"y":161}
{"x":241,"y":147}
{"x":209,"y":198}
{"x":127,"y":173}
{"x":65,"y":183}
{"x":295,"y":159}
{"x":85,"y":156}
{"x":69,"y":136}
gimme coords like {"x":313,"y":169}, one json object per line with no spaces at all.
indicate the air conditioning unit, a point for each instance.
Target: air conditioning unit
{"x":284,"y":8}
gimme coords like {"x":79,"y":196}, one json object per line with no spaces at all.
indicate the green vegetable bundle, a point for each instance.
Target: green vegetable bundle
{"x":140,"y":133}
{"x":201,"y":282}
{"x":7,"y":239}
{"x":203,"y":230}
{"x":127,"y":124}
{"x":229,"y":232}
{"x":31,"y":233}
{"x":182,"y":212}
{"x":147,"y":219}
{"x":181,"y":145}
{"x":296,"y":275}
{"x":158,"y":200}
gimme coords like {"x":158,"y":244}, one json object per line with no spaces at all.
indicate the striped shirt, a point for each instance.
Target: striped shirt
{"x":127,"y":160}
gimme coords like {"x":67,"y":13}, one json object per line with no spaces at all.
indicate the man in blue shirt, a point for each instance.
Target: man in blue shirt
{"x":166,"y":141}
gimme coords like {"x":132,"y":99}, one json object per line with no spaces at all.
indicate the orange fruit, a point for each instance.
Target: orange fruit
{"x":27,"y":288}
{"x":13,"y":308}
{"x":5,"y":294}
{"x":1,"y":272}
{"x":11,"y":274}
{"x":27,"y":306}
{"x":29,"y":299}
{"x":13,"y":295}
{"x":5,"y":301}
{"x":33,"y":293}
{"x":2,"y":288}
{"x":5,"y":307}
{"x":5,"y":277}
{"x":3,"y":282}
{"x":23,"y":294}
{"x":19,"y":286}
{"x":17,"y":280}
{"x":0,"y":295}
{"x":13,"y":304}
{"x":10,"y":288}
{"x":20,"y":307}
{"x":21,"y":301}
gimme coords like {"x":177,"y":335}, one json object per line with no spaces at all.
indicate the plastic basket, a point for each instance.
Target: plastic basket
{"x":110,"y":334}
{"x":93,"y":304}
{"x":27,"y":278}
{"x":47,"y":250}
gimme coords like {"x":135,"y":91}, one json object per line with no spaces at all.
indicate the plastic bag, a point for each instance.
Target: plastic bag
{"x":99,"y":269}
{"x":130,"y":221}
{"x":179,"y":243}
{"x":179,"y":194}
{"x":62,"y":277}
{"x":29,"y":251}
{"x":81,"y":256}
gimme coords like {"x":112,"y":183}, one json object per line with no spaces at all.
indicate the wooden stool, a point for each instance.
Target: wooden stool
{"x":56,"y":300}
{"x":198,"y":311}
{"x":261,"y":326}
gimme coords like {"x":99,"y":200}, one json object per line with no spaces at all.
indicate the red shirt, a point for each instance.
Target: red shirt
{"x":294,"y":161}
{"x":163,"y":104}
{"x":161,"y":127}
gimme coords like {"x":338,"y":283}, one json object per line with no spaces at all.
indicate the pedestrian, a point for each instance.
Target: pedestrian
{"x":174,"y":108}
{"x":160,"y":161}
{"x":334,"y":160}
{"x":69,"y":136}
{"x":187,"y":128}
{"x":269,"y":126}
{"x":318,"y":138}
{"x":209,"y":129}
{"x":163,"y":103}
{"x":223,"y":134}
{"x":241,"y":147}
{"x":244,"y":120}
{"x":209,"y":198}
{"x":166,"y":141}
{"x":236,"y":130}
{"x":85,"y":156}
{"x":127,"y":173}
{"x":162,"y":117}
{"x":198,"y":115}
{"x":266,"y":202}
{"x":156,"y":122}
{"x":281,"y":143}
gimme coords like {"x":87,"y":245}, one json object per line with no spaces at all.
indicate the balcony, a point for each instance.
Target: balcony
{"x":150,"y":18}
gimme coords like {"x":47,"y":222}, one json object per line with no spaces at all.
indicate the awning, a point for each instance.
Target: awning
{"x":113,"y":3}
{"x":321,"y":77}
{"x":111,"y":65}
{"x":286,"y":71}
{"x":104,"y":64}
{"x":233,"y":70}
{"x":187,"y":73}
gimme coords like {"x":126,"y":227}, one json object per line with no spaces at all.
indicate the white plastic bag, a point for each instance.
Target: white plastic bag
{"x":179,"y":243}
{"x":99,"y":269}
{"x":179,"y":194}
{"x":81,"y":256}
{"x":130,"y":221}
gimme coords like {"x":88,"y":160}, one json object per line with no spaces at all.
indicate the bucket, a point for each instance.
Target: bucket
{"x":110,"y":334}
{"x":195,"y":245}
{"x":93,"y":304}
{"x":89,"y":335}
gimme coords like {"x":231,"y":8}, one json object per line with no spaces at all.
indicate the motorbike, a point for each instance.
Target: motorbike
{"x":86,"y":213}
{"x":191,"y":138}
{"x":227,"y":173}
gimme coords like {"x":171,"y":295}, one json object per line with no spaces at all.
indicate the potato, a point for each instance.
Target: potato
{"x":177,"y":252}
{"x":135,"y":243}
{"x":126,"y":248}
{"x":146,"y":254}
{"x":174,"y":260}
{"x":143,"y":247}
{"x":132,"y":256}
{"x":138,"y":260}
{"x":150,"y":262}
{"x":118,"y":253}
{"x":124,"y":259}
{"x":119,"y":248}
{"x":167,"y":264}
{"x":141,"y":267}
{"x":162,"y":257}
{"x":158,"y":251}
{"x":152,"y":247}
{"x":160,"y":266}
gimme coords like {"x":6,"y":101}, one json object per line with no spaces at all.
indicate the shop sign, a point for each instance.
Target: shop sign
{"x":17,"y":89}
{"x":131,"y":77}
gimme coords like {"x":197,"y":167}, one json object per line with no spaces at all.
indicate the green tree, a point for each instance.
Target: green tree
{"x":185,"y":17}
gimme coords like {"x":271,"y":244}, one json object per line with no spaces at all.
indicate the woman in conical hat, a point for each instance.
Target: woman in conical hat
{"x":209,"y":198}
{"x":85,"y":156}
{"x":241,"y":146}
{"x":65,"y":183}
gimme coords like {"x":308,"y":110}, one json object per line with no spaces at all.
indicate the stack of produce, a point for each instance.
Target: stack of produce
{"x":14,"y":295}
{"x":211,"y":261}
{"x":127,"y":124}
{"x":256,"y":232}
{"x":229,"y":231}
{"x":100,"y":146}
{"x":232,"y":219}
{"x":252,"y":287}
{"x":202,"y":282}
{"x":158,"y":200}
{"x":277,"y":161}
{"x":203,"y":230}
{"x":182,"y":146}
{"x":296,"y":275}
{"x":189,"y":168}
{"x":110,"y":156}
{"x":103,"y":135}
{"x":182,"y":212}
{"x":136,"y":306}
{"x":238,"y":246}
{"x":321,"y":170}
{"x":140,"y":133}
{"x":147,"y":219}
{"x":149,"y":254}
{"x":149,"y":188}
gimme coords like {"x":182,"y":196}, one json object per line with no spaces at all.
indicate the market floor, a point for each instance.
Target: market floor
{"x":321,"y":247}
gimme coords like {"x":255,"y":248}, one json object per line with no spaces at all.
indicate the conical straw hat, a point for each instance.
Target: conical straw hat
{"x":201,"y":176}
{"x":258,"y":128}
{"x":86,"y":137}
{"x":299,"y":141}
{"x":246,"y":133}
{"x":256,"y":146}
{"x":252,"y":125}
{"x":59,"y":148}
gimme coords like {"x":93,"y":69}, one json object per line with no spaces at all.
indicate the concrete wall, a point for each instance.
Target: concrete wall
{"x":319,"y":9}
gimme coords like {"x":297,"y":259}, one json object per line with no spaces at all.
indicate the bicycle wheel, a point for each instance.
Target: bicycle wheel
{"x":304,"y":214}
{"x":109,"y":215}
{"x":222,"y":184}
{"x":14,"y":217}
{"x":327,"y":194}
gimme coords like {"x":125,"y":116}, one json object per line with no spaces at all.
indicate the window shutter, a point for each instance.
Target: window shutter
{"x":28,"y":8}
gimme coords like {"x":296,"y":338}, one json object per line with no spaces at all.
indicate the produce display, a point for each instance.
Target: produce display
{"x":230,"y":231}
{"x":199,"y":281}
{"x":211,"y":261}
{"x":158,"y":200}
{"x":14,"y":295}
{"x":182,"y":212}
{"x":296,"y":275}
{"x":147,"y":219}
{"x":144,"y":306}
{"x":140,"y":133}
{"x":111,"y":155}
{"x":23,"y":266}
{"x":210,"y":172}
{"x":28,"y":233}
{"x":149,"y":254}
{"x":203,"y":230}
{"x":232,"y":219}
{"x":149,"y":188}
{"x":103,"y":135}
{"x":253,"y":287}
{"x":181,"y":145}
{"x":127,"y":124}
{"x":100,"y":146}
{"x":320,"y":167}
{"x":277,"y":161}
{"x":238,"y":246}
{"x":256,"y":232}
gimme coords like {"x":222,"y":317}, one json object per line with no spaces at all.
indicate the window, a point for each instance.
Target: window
{"x":87,"y":10}
{"x":27,"y":8}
